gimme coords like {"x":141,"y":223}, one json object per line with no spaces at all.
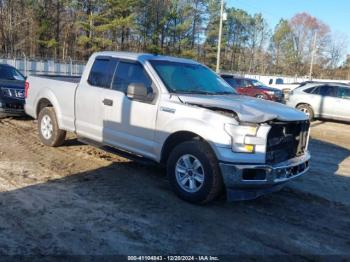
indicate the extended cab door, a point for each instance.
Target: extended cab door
{"x":130,"y":124}
{"x":90,"y":103}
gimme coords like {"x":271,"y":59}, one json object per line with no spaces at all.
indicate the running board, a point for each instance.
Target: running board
{"x":119,"y":152}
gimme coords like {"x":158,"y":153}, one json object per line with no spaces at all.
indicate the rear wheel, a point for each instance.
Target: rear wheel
{"x":307,"y":110}
{"x":49,"y":132}
{"x":194,"y":173}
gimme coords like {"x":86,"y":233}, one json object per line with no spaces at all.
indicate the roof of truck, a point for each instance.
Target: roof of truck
{"x":144,"y":57}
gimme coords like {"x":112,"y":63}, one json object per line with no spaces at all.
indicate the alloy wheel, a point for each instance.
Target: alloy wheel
{"x":46,"y":127}
{"x":189,"y":173}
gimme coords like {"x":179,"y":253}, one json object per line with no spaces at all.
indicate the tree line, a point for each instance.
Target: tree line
{"x":188,"y":28}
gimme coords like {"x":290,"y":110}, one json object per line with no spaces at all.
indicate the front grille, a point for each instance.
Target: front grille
{"x":13,"y":93}
{"x":286,"y":140}
{"x":279,"y":94}
{"x":14,"y":106}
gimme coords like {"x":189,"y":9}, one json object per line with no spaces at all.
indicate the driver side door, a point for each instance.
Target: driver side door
{"x":130,"y":124}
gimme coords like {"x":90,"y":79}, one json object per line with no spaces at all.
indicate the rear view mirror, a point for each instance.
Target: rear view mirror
{"x":137,"y":91}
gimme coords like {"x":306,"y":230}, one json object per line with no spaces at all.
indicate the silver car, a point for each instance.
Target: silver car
{"x":322,"y":100}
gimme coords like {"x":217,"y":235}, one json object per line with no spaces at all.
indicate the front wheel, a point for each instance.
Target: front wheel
{"x":307,"y":110}
{"x":49,"y":132}
{"x":260,"y":96}
{"x":194,"y":173}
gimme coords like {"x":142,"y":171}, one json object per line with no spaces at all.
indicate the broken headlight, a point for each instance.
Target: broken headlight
{"x":239,"y":135}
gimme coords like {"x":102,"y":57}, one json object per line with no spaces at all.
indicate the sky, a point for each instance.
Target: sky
{"x":335,"y":13}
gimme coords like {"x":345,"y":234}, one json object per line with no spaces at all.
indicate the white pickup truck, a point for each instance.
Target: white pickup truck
{"x":281,"y":85}
{"x":180,"y":114}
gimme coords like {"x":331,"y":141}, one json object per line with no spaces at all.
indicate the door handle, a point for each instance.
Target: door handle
{"x":107,"y":102}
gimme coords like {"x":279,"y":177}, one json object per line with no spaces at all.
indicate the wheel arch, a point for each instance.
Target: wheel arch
{"x":312,"y":112}
{"x":42,"y":103}
{"x":48,"y":101}
{"x":303,"y":103}
{"x":175,"y":139}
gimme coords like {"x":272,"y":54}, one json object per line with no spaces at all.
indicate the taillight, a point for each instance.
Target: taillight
{"x":26,"y":89}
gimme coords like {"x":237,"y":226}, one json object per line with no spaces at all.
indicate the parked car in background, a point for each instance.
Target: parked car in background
{"x":12,"y":91}
{"x":253,"y":87}
{"x":178,"y":113}
{"x":280,"y":84}
{"x":322,"y":100}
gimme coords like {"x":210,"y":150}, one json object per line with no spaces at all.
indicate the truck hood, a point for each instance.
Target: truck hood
{"x":12,"y":84}
{"x":247,"y":109}
{"x":267,"y":88}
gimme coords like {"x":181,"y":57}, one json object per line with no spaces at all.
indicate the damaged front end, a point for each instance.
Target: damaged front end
{"x":286,"y":158}
{"x":287,"y":140}
{"x":284,"y":144}
{"x":269,"y":144}
{"x":222,"y":111}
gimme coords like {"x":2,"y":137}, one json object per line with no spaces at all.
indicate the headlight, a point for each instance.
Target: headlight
{"x":6,"y":92}
{"x":239,"y":133}
{"x":11,"y":92}
{"x":271,"y":93}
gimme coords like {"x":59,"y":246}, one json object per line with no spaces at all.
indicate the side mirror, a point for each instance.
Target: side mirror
{"x":137,"y":91}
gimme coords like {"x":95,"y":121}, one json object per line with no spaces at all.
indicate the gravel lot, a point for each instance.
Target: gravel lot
{"x":77,"y":200}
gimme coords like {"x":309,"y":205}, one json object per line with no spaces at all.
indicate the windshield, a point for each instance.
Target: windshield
{"x":10,"y":73}
{"x":190,"y":78}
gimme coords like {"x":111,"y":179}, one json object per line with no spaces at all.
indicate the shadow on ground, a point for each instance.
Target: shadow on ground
{"x":126,"y":208}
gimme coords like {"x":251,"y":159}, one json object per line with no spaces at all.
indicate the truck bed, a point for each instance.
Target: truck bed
{"x":71,"y":79}
{"x":60,"y":91}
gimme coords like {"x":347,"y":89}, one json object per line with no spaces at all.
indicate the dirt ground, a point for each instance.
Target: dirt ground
{"x":77,"y":200}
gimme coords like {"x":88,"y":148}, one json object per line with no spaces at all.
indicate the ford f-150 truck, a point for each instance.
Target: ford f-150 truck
{"x":180,"y":114}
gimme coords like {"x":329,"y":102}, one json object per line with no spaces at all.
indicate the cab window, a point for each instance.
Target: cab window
{"x":102,"y":72}
{"x":130,"y":72}
{"x":279,"y":81}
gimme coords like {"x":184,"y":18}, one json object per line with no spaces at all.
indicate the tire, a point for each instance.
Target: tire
{"x":208,"y":172}
{"x":49,"y":132}
{"x":260,"y":96}
{"x":307,"y":110}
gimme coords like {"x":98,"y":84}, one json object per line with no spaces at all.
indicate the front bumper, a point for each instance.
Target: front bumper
{"x":279,"y":99}
{"x":244,"y":182}
{"x":11,"y":108}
